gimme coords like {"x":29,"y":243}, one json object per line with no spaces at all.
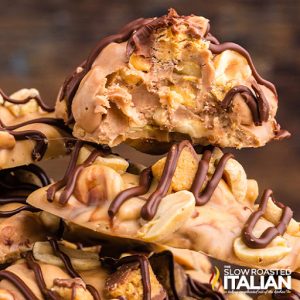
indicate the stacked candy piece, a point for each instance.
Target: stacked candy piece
{"x":110,"y":228}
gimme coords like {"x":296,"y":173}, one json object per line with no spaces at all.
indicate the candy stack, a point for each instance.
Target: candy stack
{"x":110,"y":228}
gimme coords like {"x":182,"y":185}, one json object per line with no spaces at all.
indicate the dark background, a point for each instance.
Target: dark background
{"x":42,"y":41}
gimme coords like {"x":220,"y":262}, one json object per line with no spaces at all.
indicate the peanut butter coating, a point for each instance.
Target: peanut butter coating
{"x":177,"y":219}
{"x":167,"y":81}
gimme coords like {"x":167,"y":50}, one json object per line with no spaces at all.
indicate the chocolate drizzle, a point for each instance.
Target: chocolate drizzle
{"x":219,"y":48}
{"x":69,"y":267}
{"x":38,"y":99}
{"x":10,"y":213}
{"x":144,"y":267}
{"x":202,"y":290}
{"x":72,"y":173}
{"x":205,"y":195}
{"x":271,"y":232}
{"x":61,"y":183}
{"x":35,"y":267}
{"x":257,"y":102}
{"x":296,"y":275}
{"x":15,"y":191}
{"x":40,"y":138}
{"x":143,"y":187}
{"x":140,"y":40}
{"x":19,"y":283}
{"x":71,"y":84}
{"x":150,"y":207}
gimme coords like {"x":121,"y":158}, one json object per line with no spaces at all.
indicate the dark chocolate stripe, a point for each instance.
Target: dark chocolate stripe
{"x":150,"y":208}
{"x":35,"y":267}
{"x":67,"y":193}
{"x":143,"y":187}
{"x":206,"y":194}
{"x":271,"y":232}
{"x":37,"y":98}
{"x":209,"y":37}
{"x":71,"y":84}
{"x":14,"y":199}
{"x":69,"y":267}
{"x":296,"y":275}
{"x":59,"y":123}
{"x":201,"y":290}
{"x":14,"y":191}
{"x":19,"y":283}
{"x":257,"y":102}
{"x":144,"y":266}
{"x":9,"y":213}
{"x":72,"y":164}
{"x":41,"y":140}
{"x":219,"y":48}
{"x":38,"y":172}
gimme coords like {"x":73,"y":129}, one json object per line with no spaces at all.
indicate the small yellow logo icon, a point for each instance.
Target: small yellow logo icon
{"x":215,"y":280}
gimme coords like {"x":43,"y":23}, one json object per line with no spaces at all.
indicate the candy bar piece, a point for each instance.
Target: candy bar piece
{"x":59,"y":270}
{"x":210,"y":208}
{"x":167,"y":79}
{"x":21,"y":224}
{"x":29,"y":130}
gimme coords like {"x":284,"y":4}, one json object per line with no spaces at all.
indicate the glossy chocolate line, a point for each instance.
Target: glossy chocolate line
{"x":206,"y":194}
{"x":15,"y":199}
{"x":171,"y":267}
{"x":37,"y":98}
{"x":219,"y":48}
{"x":144,"y":266}
{"x":209,"y":37}
{"x":201,"y":175}
{"x":19,"y":283}
{"x":150,"y":207}
{"x":198,"y":289}
{"x":41,"y":140}
{"x":39,"y":137}
{"x":17,"y":187}
{"x":34,"y":169}
{"x":271,"y":232}
{"x":296,"y":275}
{"x":59,"y":123}
{"x":69,"y":267}
{"x":35,"y":267}
{"x":28,"y":187}
{"x":38,"y":172}
{"x":13,"y":184}
{"x":68,"y":191}
{"x":71,"y":84}
{"x":262,"y":103}
{"x":9,"y":213}
{"x":259,"y":112}
{"x":141,"y":36}
{"x":143,"y":187}
{"x":61,"y":183}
